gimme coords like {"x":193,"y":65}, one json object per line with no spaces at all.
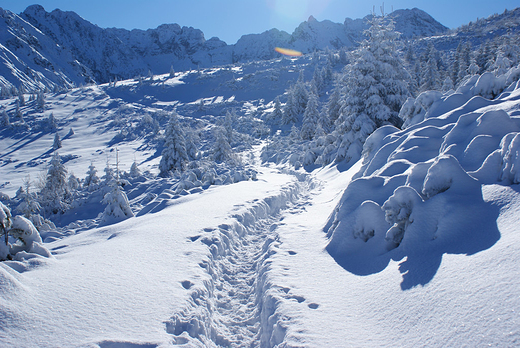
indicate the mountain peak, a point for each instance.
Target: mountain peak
{"x":311,"y":19}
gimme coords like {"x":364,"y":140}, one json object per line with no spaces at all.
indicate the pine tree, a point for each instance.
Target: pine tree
{"x":310,"y":118}
{"x":277,"y":114}
{"x":21,"y":97}
{"x":40,"y":100}
{"x":290,"y":110}
{"x":91,"y":181}
{"x":109,"y":174}
{"x":192,"y":140}
{"x":28,"y":204}
{"x":55,"y":195}
{"x":333,"y":108}
{"x":228,"y":125}
{"x":52,"y":125}
{"x":18,"y":112}
{"x":57,"y":142}
{"x":374,"y":86}
{"x":431,"y":77}
{"x":174,"y":156}
{"x":134,"y":170}
{"x":447,"y":85}
{"x":222,"y":151}
{"x":4,"y":120}
{"x":172,"y":72}
{"x":117,"y":204}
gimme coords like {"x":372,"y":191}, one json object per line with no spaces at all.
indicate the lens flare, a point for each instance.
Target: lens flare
{"x":288,"y":52}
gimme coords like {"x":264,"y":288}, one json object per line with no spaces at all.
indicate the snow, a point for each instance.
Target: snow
{"x":414,"y":244}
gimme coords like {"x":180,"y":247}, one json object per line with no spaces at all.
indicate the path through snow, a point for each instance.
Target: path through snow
{"x":237,"y":307}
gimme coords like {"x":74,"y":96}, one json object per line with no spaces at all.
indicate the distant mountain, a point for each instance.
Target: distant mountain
{"x":58,"y":48}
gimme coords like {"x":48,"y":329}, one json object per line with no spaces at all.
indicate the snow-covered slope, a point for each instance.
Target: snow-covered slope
{"x":294,"y":258}
{"x":32,"y":59}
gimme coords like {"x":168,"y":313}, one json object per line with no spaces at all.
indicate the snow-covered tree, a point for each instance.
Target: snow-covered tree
{"x":21,"y":97}
{"x":117,"y":204}
{"x":91,"y":181}
{"x":134,"y":170}
{"x":18,"y":113}
{"x":310,"y":118}
{"x":502,"y":64}
{"x":51,"y":125}
{"x":192,"y":141}
{"x":277,"y":113}
{"x":40,"y":100}
{"x":333,"y":108}
{"x":222,"y":151}
{"x":174,"y":156}
{"x":431,"y":77}
{"x":374,"y":88}
{"x":57,"y":142}
{"x":55,"y":195}
{"x":4,"y":119}
{"x":5,"y":225}
{"x":447,"y":85}
{"x":290,"y":110}
{"x":172,"y":72}
{"x":109,"y":174}
{"x":228,"y":124}
{"x":28,"y":204}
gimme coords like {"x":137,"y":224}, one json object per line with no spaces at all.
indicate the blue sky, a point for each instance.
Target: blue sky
{"x":230,"y":19}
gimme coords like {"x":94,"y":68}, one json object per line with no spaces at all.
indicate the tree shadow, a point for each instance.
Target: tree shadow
{"x":467,"y":229}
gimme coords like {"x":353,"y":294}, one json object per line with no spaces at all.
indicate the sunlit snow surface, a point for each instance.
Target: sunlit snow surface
{"x":293,"y":258}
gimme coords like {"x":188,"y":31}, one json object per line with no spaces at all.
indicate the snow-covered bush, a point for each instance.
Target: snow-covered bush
{"x":117,"y":205}
{"x":27,"y":236}
{"x":399,"y":212}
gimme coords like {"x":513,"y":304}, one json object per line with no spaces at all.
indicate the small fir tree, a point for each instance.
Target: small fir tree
{"x":174,"y":156}
{"x":57,"y":142}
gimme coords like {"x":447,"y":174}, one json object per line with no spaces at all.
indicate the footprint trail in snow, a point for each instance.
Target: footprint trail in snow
{"x":237,"y":306}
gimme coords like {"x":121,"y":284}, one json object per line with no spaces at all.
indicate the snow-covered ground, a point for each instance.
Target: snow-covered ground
{"x":416,"y":244}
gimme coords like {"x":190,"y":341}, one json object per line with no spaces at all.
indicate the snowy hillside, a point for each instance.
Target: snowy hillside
{"x":277,"y":202}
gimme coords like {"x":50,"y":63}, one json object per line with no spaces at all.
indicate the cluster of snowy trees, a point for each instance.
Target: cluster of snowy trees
{"x":377,"y":79}
{"x":181,"y":151}
{"x":58,"y":191}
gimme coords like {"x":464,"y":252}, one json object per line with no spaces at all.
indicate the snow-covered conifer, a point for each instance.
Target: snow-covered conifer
{"x":431,"y":78}
{"x":290,"y":110}
{"x":277,"y":113}
{"x":5,"y":225}
{"x":4,"y":119}
{"x":333,"y":108}
{"x":192,"y":141}
{"x":222,"y":151}
{"x":18,"y":113}
{"x":40,"y":100}
{"x":109,"y":174}
{"x":57,"y":142}
{"x":28,"y":204}
{"x":310,"y":118}
{"x":172,"y":72}
{"x":134,"y":170}
{"x":51,"y":125}
{"x":174,"y":156}
{"x":21,"y":97}
{"x":374,"y":86}
{"x":91,"y":181}
{"x":447,"y":85}
{"x":55,"y":195}
{"x":117,"y":204}
{"x":228,"y":124}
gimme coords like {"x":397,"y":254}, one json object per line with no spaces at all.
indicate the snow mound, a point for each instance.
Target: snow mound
{"x":418,"y":194}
